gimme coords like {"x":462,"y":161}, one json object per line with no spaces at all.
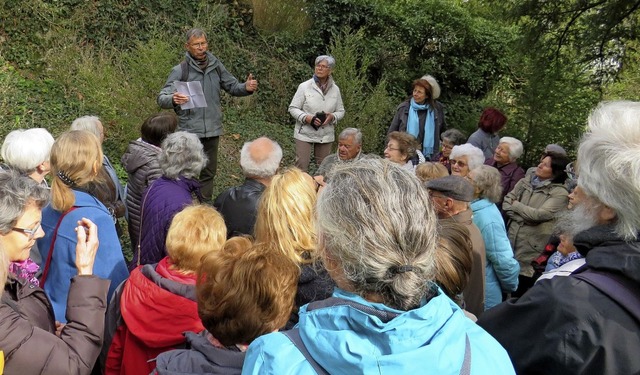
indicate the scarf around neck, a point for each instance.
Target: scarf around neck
{"x":413,"y":125}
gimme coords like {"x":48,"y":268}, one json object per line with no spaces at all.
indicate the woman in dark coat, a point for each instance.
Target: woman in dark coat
{"x":32,"y":341}
{"x":422,"y":116}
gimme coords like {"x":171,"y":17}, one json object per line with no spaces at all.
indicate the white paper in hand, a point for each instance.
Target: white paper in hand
{"x":193,"y":89}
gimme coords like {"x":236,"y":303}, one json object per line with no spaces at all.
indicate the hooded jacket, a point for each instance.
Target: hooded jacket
{"x":346,"y":340}
{"x":502,"y":268}
{"x":563,"y":325}
{"x":531,"y":213}
{"x":202,"y":358}
{"x":141,"y":163}
{"x":155,"y":313}
{"x":203,"y":122}
{"x":109,"y":263}
{"x":163,"y":199}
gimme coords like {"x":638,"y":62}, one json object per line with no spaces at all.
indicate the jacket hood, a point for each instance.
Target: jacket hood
{"x":605,"y":250}
{"x":157,"y":310}
{"x":480,"y":204}
{"x":346,"y":340}
{"x":203,"y":358}
{"x":138,"y":154}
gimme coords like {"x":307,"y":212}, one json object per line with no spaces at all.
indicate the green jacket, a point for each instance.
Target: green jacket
{"x":203,"y":122}
{"x":531,"y":214}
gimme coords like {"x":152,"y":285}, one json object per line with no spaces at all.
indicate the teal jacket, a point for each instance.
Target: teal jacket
{"x":502,"y":269}
{"x":345,"y":340}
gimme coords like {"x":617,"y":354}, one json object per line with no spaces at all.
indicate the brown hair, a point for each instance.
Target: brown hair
{"x":428,"y":90}
{"x":428,"y":171}
{"x":453,"y":258}
{"x":76,"y":154}
{"x":407,"y":143}
{"x":195,"y":231}
{"x":245,"y":293}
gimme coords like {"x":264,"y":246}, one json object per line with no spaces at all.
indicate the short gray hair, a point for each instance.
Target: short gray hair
{"x":25,"y":149}
{"x":195,"y":32}
{"x":351,"y":132}
{"x":488,"y":181}
{"x":609,"y":159}
{"x":16,"y":192}
{"x":88,"y":123}
{"x":376,"y":220}
{"x":515,"y":147}
{"x":329,"y":59}
{"x":454,"y":136}
{"x":182,"y":155}
{"x":475,"y":156}
{"x":266,"y":166}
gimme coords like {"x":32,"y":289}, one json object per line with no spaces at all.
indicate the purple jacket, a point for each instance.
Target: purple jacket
{"x":511,"y":173}
{"x":160,"y":202}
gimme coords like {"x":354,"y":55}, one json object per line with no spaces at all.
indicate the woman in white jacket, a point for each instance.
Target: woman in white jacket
{"x":316,"y":107}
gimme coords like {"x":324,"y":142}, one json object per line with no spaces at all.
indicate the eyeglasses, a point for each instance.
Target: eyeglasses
{"x":447,"y":146}
{"x":571,"y":172}
{"x":457,"y":162}
{"x":200,"y":45}
{"x":391,"y":148}
{"x":29,"y":232}
{"x":322,"y":67}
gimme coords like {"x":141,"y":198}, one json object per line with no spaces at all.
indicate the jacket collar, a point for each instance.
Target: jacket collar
{"x":606,"y":250}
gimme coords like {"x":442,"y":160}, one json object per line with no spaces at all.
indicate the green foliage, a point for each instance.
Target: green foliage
{"x":281,"y":16}
{"x":366,"y":105}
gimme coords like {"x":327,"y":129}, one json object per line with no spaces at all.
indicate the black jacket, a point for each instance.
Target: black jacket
{"x":565,"y":326}
{"x":239,"y":206}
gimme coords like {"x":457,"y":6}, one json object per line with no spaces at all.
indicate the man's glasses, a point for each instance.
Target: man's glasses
{"x":200,"y":45}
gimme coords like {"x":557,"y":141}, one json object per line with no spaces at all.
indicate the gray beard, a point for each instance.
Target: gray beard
{"x":582,"y":217}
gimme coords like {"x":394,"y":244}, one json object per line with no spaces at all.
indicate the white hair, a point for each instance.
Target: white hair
{"x":25,"y":149}
{"x":88,"y":123}
{"x":263,"y":168}
{"x":515,"y":147}
{"x":182,"y":155}
{"x":609,"y":159}
{"x":352,"y":132}
{"x":375,"y":219}
{"x":331,"y":62}
{"x":475,"y":156}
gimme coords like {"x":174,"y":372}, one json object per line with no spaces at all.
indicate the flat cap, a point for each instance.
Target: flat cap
{"x":454,"y":187}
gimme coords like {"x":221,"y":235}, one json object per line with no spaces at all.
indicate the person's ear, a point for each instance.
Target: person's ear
{"x":606,"y":214}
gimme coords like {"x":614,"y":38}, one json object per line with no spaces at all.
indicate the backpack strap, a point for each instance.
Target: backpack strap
{"x":294,"y":336}
{"x":43,"y":278}
{"x":184,"y":69}
{"x":624,"y":291}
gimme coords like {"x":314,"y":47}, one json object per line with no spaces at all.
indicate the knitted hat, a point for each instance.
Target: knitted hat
{"x":454,"y":187}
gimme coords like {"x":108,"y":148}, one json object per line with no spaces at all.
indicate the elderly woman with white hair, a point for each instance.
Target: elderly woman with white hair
{"x":317,"y":107}
{"x":181,"y":160}
{"x":27,"y":151}
{"x":465,"y":158}
{"x":502,"y":268}
{"x":422,"y":116}
{"x":386,"y":315}
{"x":504,"y":159}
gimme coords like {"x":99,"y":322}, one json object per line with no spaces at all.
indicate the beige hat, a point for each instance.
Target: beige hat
{"x":435,"y":87}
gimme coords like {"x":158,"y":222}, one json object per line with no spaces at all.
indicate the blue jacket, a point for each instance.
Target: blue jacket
{"x":345,"y":340}
{"x":109,"y":263}
{"x":502,"y":268}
